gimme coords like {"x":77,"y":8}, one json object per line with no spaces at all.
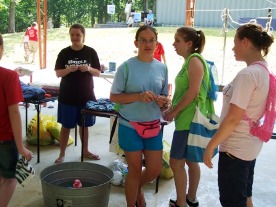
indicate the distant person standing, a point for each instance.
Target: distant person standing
{"x":32,"y":33}
{"x":159,"y":53}
{"x":128,"y":10}
{"x":25,"y":43}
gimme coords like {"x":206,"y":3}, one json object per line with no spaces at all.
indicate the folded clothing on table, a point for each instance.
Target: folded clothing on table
{"x":32,"y":92}
{"x":102,"y":104}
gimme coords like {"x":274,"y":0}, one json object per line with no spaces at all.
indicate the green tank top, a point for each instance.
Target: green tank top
{"x":185,"y":116}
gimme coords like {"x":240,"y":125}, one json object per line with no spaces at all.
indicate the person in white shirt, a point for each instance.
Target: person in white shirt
{"x":128,"y":10}
{"x":245,"y":95}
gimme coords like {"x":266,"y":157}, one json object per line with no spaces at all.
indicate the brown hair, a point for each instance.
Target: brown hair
{"x":145,"y":27}
{"x":197,"y":38}
{"x":259,"y":37}
{"x":80,"y":27}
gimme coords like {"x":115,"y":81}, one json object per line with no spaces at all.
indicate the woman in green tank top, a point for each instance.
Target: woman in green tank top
{"x":189,"y":44}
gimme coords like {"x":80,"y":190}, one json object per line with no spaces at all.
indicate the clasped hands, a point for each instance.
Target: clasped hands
{"x":82,"y":68}
{"x":161,"y":100}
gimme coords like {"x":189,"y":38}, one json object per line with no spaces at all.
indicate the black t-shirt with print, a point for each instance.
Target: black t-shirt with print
{"x":77,"y":88}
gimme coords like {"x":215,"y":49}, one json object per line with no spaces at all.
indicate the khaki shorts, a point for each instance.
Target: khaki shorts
{"x":33,"y":46}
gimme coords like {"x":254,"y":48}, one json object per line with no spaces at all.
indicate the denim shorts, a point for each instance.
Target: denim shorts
{"x":8,"y":159}
{"x":130,"y":140}
{"x":179,"y":144}
{"x":235,"y":180}
{"x":70,"y":116}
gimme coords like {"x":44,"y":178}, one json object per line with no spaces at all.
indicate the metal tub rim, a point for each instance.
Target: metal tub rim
{"x":67,"y":166}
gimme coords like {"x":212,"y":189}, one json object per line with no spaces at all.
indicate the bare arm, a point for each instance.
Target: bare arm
{"x":125,"y":98}
{"x":195,"y":73}
{"x":15,"y":119}
{"x":227,"y":126}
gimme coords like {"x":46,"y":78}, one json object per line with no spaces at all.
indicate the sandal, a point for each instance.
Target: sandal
{"x":59,"y":160}
{"x":92,"y":156}
{"x":172,"y":203}
{"x":136,"y":204}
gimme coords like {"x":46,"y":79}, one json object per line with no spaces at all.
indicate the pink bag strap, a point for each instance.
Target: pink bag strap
{"x":245,"y":117}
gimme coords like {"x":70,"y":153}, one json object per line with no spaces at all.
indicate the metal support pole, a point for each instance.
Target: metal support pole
{"x":269,"y":20}
{"x":42,"y":36}
{"x":224,"y":30}
{"x":190,"y":10}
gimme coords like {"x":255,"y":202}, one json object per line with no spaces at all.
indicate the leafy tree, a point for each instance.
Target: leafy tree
{"x":25,"y":14}
{"x":55,"y":10}
{"x":12,"y":17}
{"x":17,"y":15}
{"x":4,"y":15}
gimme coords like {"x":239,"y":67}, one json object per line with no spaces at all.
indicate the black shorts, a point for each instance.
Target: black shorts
{"x":8,"y":159}
{"x":235,"y":180}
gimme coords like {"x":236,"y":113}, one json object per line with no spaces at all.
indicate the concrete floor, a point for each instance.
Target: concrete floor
{"x":264,"y":189}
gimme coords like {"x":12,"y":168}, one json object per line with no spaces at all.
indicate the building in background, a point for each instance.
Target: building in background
{"x":209,"y":13}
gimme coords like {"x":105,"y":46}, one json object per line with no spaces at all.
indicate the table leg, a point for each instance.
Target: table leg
{"x":108,"y":80}
{"x":26,"y":108}
{"x":82,"y":136}
{"x":76,"y":132}
{"x":157,"y":184}
{"x":158,"y":178}
{"x":37,"y":106}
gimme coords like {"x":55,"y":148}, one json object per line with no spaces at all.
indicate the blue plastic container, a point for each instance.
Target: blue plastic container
{"x":112,"y":66}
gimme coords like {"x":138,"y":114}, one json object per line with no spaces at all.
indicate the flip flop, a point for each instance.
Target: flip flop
{"x":92,"y":157}
{"x":172,"y":203}
{"x":59,"y":160}
{"x":136,"y":204}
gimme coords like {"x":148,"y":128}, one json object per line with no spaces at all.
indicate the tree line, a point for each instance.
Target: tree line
{"x":17,"y":15}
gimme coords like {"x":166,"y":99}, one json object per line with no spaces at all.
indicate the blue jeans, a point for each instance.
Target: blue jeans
{"x":179,"y":144}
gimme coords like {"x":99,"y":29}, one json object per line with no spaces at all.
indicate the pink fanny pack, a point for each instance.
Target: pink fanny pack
{"x":147,"y":129}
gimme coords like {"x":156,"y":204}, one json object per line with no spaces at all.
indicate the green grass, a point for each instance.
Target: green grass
{"x":58,"y":34}
{"x":10,"y":40}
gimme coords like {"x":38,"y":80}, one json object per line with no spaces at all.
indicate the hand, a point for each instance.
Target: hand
{"x":169,"y":115}
{"x":147,"y":96}
{"x":19,"y":71}
{"x":73,"y":68}
{"x":26,"y":153}
{"x":162,"y":101}
{"x":208,"y":155}
{"x":84,"y":68}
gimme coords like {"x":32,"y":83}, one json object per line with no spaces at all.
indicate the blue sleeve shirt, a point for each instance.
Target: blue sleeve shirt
{"x":140,"y":77}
